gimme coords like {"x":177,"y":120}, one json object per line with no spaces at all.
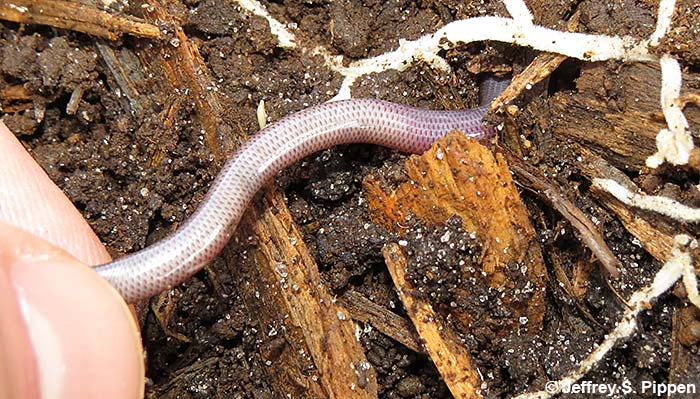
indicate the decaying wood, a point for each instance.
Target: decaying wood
{"x":458,"y":176}
{"x":617,"y":115}
{"x":445,"y":348}
{"x":129,"y":74}
{"x":187,"y":71}
{"x":15,"y":92}
{"x":15,"y":98}
{"x":655,"y":241}
{"x":307,"y":337}
{"x":389,"y":323}
{"x":77,"y":16}
{"x":588,"y":233}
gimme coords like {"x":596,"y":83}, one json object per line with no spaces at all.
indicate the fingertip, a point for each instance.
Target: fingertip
{"x":18,"y":375}
{"x":35,"y":203}
{"x":84,"y":339}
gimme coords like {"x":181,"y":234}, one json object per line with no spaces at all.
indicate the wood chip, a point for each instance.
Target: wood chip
{"x":389,"y":323}
{"x":458,"y":176}
{"x":445,"y":348}
{"x":307,"y":338}
{"x":539,"y":69}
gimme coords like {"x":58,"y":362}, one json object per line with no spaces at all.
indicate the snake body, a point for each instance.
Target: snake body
{"x":147,"y":272}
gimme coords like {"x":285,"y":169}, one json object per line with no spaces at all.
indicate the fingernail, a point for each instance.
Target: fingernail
{"x":40,"y":287}
{"x":76,"y":330}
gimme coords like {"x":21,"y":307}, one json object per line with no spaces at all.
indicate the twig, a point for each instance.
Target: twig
{"x":389,"y":323}
{"x":548,"y":192}
{"x":76,"y":16}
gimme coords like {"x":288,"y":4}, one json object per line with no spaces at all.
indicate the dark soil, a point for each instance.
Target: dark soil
{"x":135,"y":179}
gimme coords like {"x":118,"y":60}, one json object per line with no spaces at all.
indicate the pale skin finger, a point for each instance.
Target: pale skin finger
{"x":30,"y":200}
{"x":64,"y":331}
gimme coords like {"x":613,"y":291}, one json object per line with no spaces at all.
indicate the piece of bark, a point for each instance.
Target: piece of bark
{"x":15,"y":98}
{"x":444,"y":346}
{"x":187,"y":72}
{"x":654,"y":240}
{"x":618,"y":115}
{"x":15,"y":92}
{"x":389,"y":323}
{"x":76,"y":16}
{"x":306,"y":336}
{"x":458,"y":176}
{"x":130,"y":75}
{"x":539,"y":69}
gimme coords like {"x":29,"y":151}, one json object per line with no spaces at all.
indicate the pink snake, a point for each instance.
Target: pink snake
{"x":147,"y":272}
